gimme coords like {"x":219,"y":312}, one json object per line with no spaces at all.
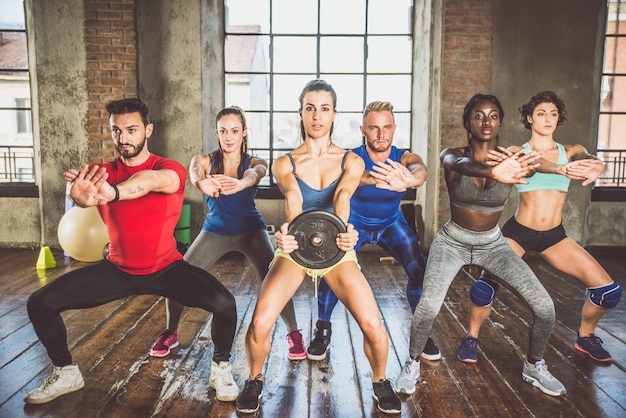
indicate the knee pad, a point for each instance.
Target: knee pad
{"x":606,"y":296}
{"x":483,"y":291}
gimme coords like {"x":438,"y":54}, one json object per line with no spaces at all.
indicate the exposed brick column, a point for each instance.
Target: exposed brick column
{"x":466,"y":63}
{"x":110,"y":38}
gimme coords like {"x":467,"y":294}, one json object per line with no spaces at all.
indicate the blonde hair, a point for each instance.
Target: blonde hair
{"x":378,"y":107}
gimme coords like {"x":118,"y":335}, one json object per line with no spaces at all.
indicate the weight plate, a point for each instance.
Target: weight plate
{"x":316,"y":232}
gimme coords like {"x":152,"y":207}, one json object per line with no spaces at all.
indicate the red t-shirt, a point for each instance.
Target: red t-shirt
{"x":141,"y":231}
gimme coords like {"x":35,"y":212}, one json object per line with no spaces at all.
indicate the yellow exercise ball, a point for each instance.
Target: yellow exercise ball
{"x":82,"y":234}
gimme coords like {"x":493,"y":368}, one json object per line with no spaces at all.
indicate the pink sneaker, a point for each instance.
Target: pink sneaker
{"x":297,"y":350}
{"x":166,"y":341}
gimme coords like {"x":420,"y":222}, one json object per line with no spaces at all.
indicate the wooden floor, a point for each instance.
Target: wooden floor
{"x":110,"y":343}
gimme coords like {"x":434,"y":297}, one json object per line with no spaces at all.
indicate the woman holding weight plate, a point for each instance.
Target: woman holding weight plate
{"x":318,"y":175}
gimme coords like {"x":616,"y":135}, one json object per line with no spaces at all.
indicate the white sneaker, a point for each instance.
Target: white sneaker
{"x":405,"y":383}
{"x":222,"y":381}
{"x":62,"y":380}
{"x":538,"y":375}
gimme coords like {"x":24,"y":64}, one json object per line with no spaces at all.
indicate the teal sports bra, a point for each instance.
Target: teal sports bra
{"x":545,"y":181}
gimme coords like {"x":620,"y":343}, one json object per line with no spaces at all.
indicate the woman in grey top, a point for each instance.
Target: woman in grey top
{"x":478,"y":190}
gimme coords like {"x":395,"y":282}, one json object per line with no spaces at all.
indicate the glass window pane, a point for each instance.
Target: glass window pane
{"x":345,"y":16}
{"x":294,"y":16}
{"x":12,"y":14}
{"x":613,"y":94}
{"x":402,"y":136}
{"x":287,"y":89}
{"x":347,"y":132}
{"x":13,"y":51}
{"x":349,"y":89}
{"x":389,"y":54}
{"x":258,"y":129}
{"x":246,"y":53}
{"x":341,"y":54}
{"x":247,"y":16}
{"x":390,"y":88}
{"x":389,"y":16}
{"x":286,"y":130}
{"x":611,"y":131}
{"x":295,"y":54}
{"x":248,"y":91}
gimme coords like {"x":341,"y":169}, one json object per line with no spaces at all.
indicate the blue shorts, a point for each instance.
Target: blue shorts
{"x":531,"y":240}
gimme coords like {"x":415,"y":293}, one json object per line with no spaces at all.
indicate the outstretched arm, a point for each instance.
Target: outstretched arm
{"x":90,"y":188}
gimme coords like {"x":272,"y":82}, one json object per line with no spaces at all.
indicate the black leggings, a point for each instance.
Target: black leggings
{"x":101,"y":283}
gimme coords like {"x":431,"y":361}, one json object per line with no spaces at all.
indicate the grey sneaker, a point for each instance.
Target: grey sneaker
{"x":405,"y":383}
{"x":538,"y":375}
{"x":61,"y":381}
{"x":222,"y":381}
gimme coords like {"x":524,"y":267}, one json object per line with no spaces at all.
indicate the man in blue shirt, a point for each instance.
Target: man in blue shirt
{"x":375,"y":214}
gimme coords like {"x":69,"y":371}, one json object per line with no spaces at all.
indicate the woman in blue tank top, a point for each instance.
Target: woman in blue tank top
{"x":537,"y":225}
{"x":478,"y":192}
{"x":228,"y":177}
{"x":317,"y":175}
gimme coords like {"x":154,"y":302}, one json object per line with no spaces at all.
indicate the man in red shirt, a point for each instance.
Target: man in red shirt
{"x":139,"y":197}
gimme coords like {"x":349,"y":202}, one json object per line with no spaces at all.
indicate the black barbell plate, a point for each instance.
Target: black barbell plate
{"x":316,"y":232}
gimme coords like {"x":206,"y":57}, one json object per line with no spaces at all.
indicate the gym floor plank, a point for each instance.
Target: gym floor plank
{"x":110,"y":343}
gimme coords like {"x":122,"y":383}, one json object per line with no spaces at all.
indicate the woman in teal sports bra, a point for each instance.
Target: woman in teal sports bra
{"x":537,"y":226}
{"x":304,"y":177}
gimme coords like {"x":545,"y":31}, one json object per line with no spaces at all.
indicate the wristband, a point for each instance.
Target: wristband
{"x":117,"y":194}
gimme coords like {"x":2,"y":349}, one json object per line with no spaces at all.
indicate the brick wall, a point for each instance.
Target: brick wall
{"x":466,"y":70}
{"x":110,"y":39}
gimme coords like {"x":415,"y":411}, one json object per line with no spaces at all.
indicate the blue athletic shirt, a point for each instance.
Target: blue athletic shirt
{"x":233,"y":214}
{"x":546,"y":181}
{"x":314,"y":199}
{"x":373,"y":208}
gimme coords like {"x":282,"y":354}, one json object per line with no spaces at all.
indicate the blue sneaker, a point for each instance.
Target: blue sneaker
{"x":592,"y":346}
{"x":467,"y":351}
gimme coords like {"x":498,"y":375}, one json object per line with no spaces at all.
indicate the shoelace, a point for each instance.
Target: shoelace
{"x":223,"y":378}
{"x":295,"y":340}
{"x":542,"y":368}
{"x":593,"y":340}
{"x":469,"y":343}
{"x":407,"y":366}
{"x":50,"y":380}
{"x":251,"y":387}
{"x":386,"y":389}
{"x":163,"y":336}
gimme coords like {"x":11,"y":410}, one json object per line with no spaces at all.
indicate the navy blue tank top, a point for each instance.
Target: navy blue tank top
{"x":314,"y":199}
{"x":233,"y":214}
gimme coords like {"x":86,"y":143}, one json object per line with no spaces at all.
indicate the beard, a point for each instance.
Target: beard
{"x":378,"y":148}
{"x":134,"y":152}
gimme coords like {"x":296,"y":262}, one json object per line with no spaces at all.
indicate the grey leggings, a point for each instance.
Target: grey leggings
{"x":454,"y":247}
{"x":208,"y":247}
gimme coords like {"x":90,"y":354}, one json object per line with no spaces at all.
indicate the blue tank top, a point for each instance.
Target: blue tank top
{"x":546,"y":181}
{"x":314,"y":199}
{"x":233,"y":214}
{"x":372,"y":208}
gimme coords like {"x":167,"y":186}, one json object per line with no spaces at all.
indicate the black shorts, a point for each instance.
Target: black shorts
{"x":531,"y":240}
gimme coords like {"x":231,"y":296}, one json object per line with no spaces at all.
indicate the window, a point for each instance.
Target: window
{"x":612,"y":123}
{"x":16,"y":139}
{"x":273,"y":47}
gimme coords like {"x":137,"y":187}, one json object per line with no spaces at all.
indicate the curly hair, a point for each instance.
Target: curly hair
{"x":528,"y":108}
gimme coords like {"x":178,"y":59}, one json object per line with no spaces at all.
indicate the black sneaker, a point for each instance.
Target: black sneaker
{"x":250,"y":398}
{"x":318,"y":348}
{"x":431,"y":351}
{"x":388,"y":401}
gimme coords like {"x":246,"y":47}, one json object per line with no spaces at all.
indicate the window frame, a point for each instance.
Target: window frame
{"x":268,"y":188}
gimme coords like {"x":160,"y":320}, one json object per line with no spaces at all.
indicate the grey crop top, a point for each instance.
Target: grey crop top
{"x":464,"y":193}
